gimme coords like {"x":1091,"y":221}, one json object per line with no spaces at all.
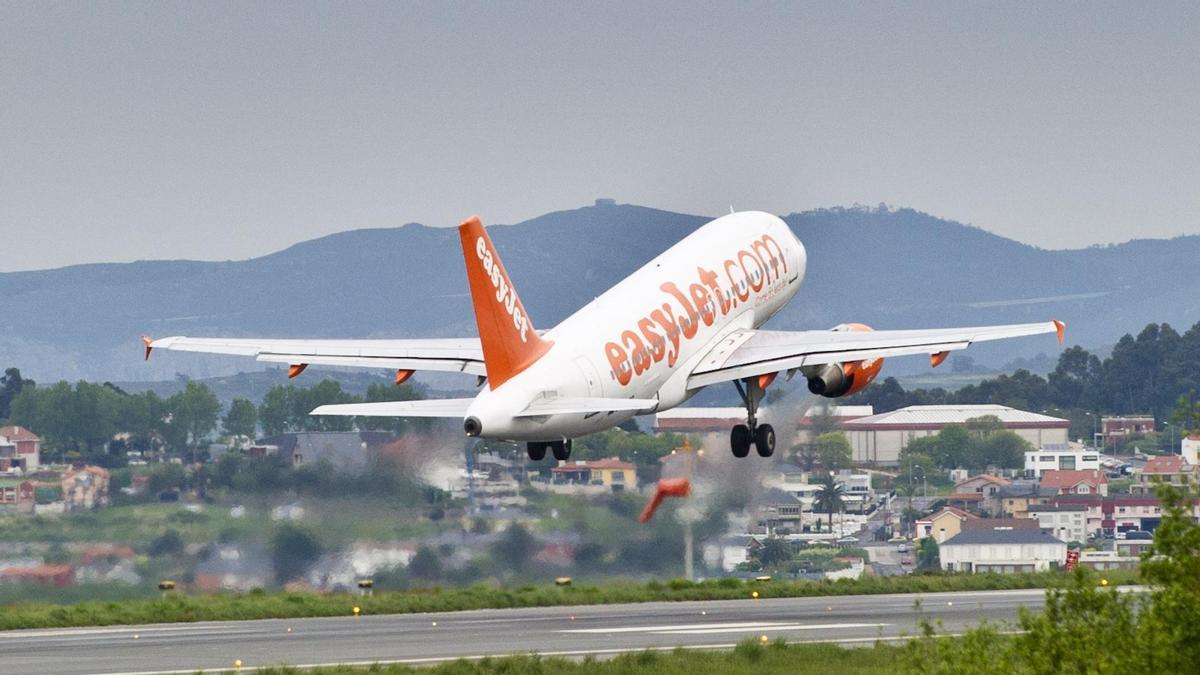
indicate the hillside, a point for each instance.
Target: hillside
{"x":890,"y":269}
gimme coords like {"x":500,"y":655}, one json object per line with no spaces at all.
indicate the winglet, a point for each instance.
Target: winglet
{"x":295,"y":369}
{"x":510,"y":343}
{"x":146,"y":340}
{"x":1060,"y":328}
{"x":937,"y":359}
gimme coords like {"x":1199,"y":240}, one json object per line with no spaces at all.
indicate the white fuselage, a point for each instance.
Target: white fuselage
{"x":642,"y":337}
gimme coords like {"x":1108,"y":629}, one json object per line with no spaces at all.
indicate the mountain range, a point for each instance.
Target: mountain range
{"x":890,"y":268}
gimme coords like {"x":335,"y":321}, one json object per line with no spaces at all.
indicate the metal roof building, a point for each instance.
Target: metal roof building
{"x":878,"y":439}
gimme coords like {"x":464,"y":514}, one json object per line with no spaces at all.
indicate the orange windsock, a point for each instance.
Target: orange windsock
{"x":510,"y":343}
{"x":667,"y":487}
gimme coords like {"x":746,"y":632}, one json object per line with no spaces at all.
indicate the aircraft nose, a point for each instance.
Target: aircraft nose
{"x":472,"y":426}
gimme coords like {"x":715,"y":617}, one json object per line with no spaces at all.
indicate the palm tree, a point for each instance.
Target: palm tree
{"x":829,"y":498}
{"x":773,"y":552}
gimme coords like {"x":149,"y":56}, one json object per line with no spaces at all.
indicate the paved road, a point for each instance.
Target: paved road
{"x":426,"y":638}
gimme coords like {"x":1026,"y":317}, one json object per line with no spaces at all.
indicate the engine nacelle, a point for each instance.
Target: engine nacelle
{"x":834,"y":380}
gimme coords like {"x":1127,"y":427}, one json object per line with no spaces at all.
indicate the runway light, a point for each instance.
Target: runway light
{"x":949,"y":604}
{"x":754,"y":594}
{"x":829,"y":608}
{"x":703,"y":613}
{"x":357,"y":610}
{"x":289,"y":629}
{"x":763,"y":639}
{"x":1104,"y":582}
{"x":435,"y":623}
{"x":136,"y":636}
{"x":237,"y":664}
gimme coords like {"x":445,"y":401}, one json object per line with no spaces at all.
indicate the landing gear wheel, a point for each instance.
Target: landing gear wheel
{"x":739,"y":440}
{"x":561,"y":450}
{"x":536,"y":450}
{"x":764,"y":440}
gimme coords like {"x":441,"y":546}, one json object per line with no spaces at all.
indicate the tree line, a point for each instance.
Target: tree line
{"x":99,"y":423}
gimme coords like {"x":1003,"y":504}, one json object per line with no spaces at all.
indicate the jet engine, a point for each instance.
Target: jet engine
{"x":834,"y":380}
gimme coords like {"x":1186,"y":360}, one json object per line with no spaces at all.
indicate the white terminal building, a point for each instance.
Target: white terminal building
{"x":878,"y":439}
{"x":1060,"y":458}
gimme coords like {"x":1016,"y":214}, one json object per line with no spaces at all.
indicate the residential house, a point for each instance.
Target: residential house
{"x":613,"y":473}
{"x":1116,"y":428}
{"x":1082,"y":482}
{"x":1169,"y":469}
{"x":983,"y":484}
{"x":729,"y":551}
{"x":1060,"y":458}
{"x":776,"y":509}
{"x":16,"y":495}
{"x":942,"y":525}
{"x":1068,"y":522}
{"x":1014,"y":500}
{"x":20,"y":448}
{"x":85,"y":487}
{"x":1002,"y":549}
{"x":1134,"y":513}
{"x":1097,"y":513}
{"x":1000,"y":523}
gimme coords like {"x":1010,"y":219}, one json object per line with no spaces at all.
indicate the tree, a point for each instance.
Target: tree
{"x":11,"y":386}
{"x":167,"y":543}
{"x":515,"y":546}
{"x":829,"y":498}
{"x":242,"y":418}
{"x":834,"y":451}
{"x":773,"y":551}
{"x":293,"y":550}
{"x":426,"y":564}
{"x":193,"y":414}
{"x":928,"y":555}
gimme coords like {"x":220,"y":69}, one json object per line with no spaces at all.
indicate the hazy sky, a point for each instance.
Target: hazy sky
{"x":226,"y":130}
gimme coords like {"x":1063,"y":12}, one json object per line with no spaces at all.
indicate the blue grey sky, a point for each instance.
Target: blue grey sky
{"x":223,"y":130}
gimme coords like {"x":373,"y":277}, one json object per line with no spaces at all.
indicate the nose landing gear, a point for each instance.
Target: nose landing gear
{"x":762,"y":436}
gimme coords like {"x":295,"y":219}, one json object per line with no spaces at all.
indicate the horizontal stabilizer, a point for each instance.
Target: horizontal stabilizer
{"x":576,"y":406}
{"x":446,"y":407}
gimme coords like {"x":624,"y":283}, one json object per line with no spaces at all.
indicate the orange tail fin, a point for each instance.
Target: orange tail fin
{"x":510,"y":344}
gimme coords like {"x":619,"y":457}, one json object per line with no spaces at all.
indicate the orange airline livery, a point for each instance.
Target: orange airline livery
{"x":687,"y":319}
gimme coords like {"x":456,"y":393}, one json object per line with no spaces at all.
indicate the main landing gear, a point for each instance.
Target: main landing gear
{"x":560,"y":449}
{"x":762,"y":436}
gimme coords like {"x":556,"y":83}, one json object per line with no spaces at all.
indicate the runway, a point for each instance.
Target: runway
{"x":428,"y":638}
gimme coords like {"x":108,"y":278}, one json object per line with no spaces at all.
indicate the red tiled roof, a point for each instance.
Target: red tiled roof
{"x":1059,"y":478}
{"x":1166,"y":464}
{"x":16,"y":433}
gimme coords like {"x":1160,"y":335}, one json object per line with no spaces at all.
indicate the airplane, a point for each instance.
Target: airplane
{"x":688,"y":319}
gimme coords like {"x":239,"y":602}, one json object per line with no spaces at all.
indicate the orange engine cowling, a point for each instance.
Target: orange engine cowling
{"x":834,"y":380}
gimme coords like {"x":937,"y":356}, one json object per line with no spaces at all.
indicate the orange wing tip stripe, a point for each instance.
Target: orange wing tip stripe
{"x":295,"y":369}
{"x":146,"y":340}
{"x":1061,"y":329}
{"x":938,"y":359}
{"x":403,"y":375}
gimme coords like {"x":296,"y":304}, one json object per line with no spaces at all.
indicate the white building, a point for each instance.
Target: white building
{"x":1002,"y":549}
{"x":1067,"y":522}
{"x":1190,"y":449}
{"x":878,"y":439}
{"x":1059,"y":458}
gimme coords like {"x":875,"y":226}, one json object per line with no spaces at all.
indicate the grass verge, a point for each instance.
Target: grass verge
{"x":261,"y":605}
{"x":748,"y":658}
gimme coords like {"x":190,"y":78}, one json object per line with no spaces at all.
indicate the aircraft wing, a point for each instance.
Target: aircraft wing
{"x":454,"y":354}
{"x":747,"y":353}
